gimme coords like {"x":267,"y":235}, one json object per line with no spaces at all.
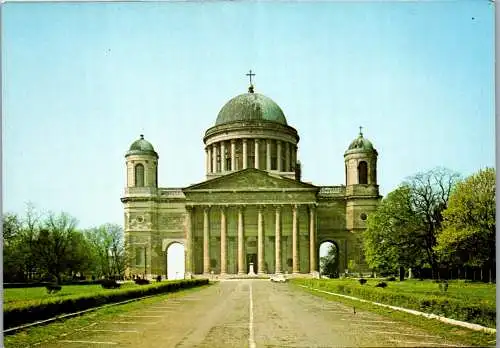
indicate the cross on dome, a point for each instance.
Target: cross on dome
{"x":250,"y":74}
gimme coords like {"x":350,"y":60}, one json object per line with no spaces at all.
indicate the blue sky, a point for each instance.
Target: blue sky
{"x":81,"y":81}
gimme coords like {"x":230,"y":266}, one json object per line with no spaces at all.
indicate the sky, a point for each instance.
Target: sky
{"x":82,"y":81}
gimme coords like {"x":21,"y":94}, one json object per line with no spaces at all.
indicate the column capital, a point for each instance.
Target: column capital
{"x":244,"y":140}
{"x":312,"y":207}
{"x":295,"y":207}
{"x":233,"y":141}
{"x":189,"y":207}
{"x":278,"y":207}
{"x":257,"y":140}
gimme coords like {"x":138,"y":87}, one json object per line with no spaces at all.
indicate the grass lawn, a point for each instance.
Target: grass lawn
{"x":458,"y":334}
{"x":477,"y":293}
{"x":470,"y":302}
{"x":24,"y":296}
{"x":51,"y":332}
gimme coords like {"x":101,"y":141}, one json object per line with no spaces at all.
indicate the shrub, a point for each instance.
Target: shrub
{"x":362,"y":281}
{"x":381,"y":285}
{"x":110,"y":284}
{"x":140,"y":281}
{"x":390,"y":279}
{"x":27,"y":312}
{"x":53,"y":288}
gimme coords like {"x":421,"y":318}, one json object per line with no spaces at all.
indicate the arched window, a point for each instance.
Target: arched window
{"x":362,"y":173}
{"x":139,"y":175}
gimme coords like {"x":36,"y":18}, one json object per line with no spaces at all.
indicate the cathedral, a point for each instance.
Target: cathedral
{"x":253,"y":214}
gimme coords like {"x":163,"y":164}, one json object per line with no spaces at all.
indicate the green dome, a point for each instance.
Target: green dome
{"x":250,"y":107}
{"x":141,"y":147}
{"x":360,"y":144}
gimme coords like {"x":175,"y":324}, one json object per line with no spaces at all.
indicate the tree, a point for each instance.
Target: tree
{"x":393,"y":236}
{"x":54,"y":243}
{"x":402,"y":231}
{"x":108,"y":249}
{"x":12,"y":257}
{"x":468,"y":236}
{"x":329,"y":262}
{"x":430,"y":192}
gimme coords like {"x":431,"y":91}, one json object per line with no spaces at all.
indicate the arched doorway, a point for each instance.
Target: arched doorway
{"x":175,"y":261}
{"x":329,"y":259}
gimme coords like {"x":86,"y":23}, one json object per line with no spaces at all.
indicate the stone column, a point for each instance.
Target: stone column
{"x":206,"y":241}
{"x":256,"y":154}
{"x":245,"y":154}
{"x":312,"y":238}
{"x":287,"y":157}
{"x":295,"y":239}
{"x":223,"y":245}
{"x":241,"y":243}
{"x":214,"y":158}
{"x":189,"y":242}
{"x":222,"y":156}
{"x":277,"y":243}
{"x":233,"y":155}
{"x":260,"y":242}
{"x":268,"y":154}
{"x":207,"y":160}
{"x":278,"y":156}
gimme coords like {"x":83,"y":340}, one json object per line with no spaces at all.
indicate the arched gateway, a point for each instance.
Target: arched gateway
{"x":175,"y":261}
{"x":253,"y":206}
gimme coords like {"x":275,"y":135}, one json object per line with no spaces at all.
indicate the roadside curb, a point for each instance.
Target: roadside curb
{"x":471,"y":326}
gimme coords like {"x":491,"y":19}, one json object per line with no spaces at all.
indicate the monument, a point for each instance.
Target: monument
{"x":252,"y":213}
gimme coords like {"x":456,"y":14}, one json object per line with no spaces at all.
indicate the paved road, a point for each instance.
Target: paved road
{"x":248,"y":313}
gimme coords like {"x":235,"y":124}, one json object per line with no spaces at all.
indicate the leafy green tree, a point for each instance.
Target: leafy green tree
{"x":393,"y":237}
{"x":54,"y":243}
{"x":12,"y":256}
{"x":468,"y":237}
{"x":108,"y":249}
{"x":329,"y":262}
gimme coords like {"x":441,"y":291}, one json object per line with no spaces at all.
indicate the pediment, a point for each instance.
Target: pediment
{"x":250,"y":179}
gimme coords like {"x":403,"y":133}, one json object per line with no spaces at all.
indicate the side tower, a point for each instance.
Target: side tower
{"x":142,"y":165}
{"x":140,"y":206}
{"x":362,"y":192}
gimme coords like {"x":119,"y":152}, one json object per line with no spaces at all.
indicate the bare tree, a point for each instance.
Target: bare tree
{"x":54,"y":244}
{"x":430,"y":192}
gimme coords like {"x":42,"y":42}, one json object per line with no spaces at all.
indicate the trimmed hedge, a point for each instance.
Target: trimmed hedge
{"x":481,"y":314}
{"x":42,"y":284}
{"x":18,"y":314}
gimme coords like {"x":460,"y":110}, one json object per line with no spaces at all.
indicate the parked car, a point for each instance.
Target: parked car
{"x":278,"y":278}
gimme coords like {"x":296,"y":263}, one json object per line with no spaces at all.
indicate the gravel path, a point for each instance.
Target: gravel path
{"x":249,"y":313}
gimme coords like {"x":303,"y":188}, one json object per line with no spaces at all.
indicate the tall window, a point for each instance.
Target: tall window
{"x":362,"y":173}
{"x":139,"y":256}
{"x":139,"y":175}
